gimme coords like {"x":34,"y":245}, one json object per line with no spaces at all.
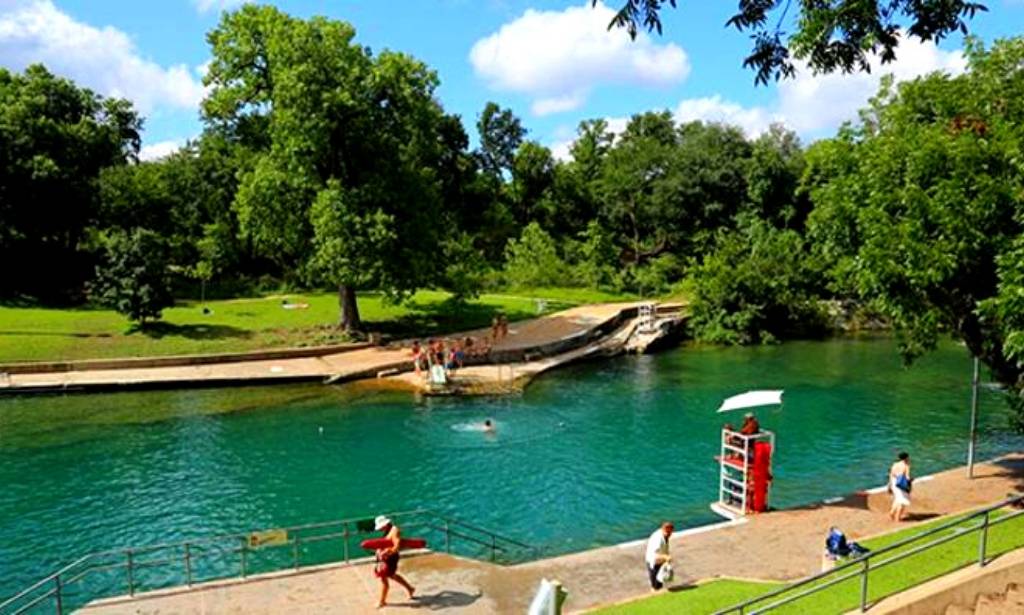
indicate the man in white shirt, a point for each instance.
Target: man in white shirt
{"x":657,"y":552}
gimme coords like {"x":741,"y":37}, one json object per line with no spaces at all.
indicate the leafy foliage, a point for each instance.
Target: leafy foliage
{"x":829,"y":36}
{"x":758,"y":286}
{"x":133,"y":278}
{"x":55,"y":138}
{"x":920,"y":210}
{"x":533,"y":260}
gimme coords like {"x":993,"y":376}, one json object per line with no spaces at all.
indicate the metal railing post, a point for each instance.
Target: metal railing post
{"x":864,"y":585}
{"x":57,"y":594}
{"x":242,"y":553}
{"x":188,"y":564}
{"x":295,"y":552}
{"x":344,"y":533}
{"x":447,"y":538}
{"x":983,"y":540}
{"x":131,"y":574}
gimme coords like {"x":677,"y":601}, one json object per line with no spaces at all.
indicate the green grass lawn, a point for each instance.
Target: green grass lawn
{"x":47,"y":334}
{"x":844,"y":596}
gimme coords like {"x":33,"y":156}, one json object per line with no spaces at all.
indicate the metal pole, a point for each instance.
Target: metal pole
{"x":983,"y":540}
{"x":188,"y":565}
{"x":864,"y":587}
{"x":974,"y":421}
{"x":242,"y":554}
{"x":131,"y":576}
{"x":344,"y":532}
{"x":60,"y":604}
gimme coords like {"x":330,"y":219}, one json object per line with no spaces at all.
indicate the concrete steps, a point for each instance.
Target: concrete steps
{"x":1010,"y":602}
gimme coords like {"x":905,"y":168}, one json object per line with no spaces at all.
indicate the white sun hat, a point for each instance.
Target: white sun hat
{"x":381,"y":522}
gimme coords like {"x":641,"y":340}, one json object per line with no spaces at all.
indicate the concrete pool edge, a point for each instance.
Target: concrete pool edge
{"x":775,"y":547}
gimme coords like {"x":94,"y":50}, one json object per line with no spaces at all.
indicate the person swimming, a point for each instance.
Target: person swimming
{"x":488,"y":426}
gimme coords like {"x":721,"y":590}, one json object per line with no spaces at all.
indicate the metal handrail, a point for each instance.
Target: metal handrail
{"x":183,"y":557}
{"x":869,"y":562}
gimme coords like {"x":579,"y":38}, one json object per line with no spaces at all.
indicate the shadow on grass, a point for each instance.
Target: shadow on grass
{"x":55,"y":334}
{"x":160,"y":330}
{"x":428,"y":319}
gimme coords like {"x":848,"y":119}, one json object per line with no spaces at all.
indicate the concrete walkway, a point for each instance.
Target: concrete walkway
{"x":783,"y":545}
{"x":523,"y":336}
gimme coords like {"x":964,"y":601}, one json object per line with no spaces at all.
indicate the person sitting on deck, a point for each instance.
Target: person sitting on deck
{"x":837,"y":547}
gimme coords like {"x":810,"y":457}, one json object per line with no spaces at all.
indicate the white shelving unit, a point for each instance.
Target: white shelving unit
{"x":735,"y":466}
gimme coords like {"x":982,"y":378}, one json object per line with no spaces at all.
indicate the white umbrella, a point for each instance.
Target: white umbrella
{"x":752,"y":399}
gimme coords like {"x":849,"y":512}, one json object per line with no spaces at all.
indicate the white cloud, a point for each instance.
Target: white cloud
{"x":558,"y":104}
{"x":814,"y":105}
{"x":159,"y":149}
{"x":558,"y":57}
{"x":205,"y":6}
{"x":753,"y":121}
{"x":103,"y":59}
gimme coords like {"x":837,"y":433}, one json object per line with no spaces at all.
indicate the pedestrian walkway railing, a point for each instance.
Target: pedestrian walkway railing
{"x":128,"y":571}
{"x":979,"y":522}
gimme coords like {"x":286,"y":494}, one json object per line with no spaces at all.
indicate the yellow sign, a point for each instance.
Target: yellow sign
{"x":268,"y":538}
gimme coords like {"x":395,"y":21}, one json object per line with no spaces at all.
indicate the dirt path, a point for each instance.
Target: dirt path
{"x":782,"y":545}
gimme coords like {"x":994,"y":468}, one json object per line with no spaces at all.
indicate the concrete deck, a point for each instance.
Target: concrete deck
{"x":783,"y":545}
{"x":524,"y":336}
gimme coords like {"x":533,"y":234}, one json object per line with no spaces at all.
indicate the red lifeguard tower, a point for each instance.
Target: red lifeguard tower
{"x":745,"y":462}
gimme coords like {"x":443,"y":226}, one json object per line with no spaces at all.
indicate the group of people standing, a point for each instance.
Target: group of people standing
{"x":449,"y":354}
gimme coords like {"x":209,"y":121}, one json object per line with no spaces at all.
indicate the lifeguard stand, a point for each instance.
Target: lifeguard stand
{"x":745,"y":473}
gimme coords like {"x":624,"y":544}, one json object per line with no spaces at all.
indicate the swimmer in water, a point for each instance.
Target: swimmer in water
{"x":488,"y":426}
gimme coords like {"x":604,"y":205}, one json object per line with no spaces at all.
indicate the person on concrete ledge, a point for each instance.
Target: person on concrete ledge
{"x":900,"y":483}
{"x":387,"y":559}
{"x":657,"y":555}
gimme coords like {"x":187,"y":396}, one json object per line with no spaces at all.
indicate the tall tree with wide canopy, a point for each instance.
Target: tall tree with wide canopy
{"x":920,"y":210}
{"x":55,"y":138}
{"x":838,"y":35}
{"x":346,"y":188}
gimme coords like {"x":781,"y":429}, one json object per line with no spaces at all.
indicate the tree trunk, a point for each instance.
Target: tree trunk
{"x":349,"y":320}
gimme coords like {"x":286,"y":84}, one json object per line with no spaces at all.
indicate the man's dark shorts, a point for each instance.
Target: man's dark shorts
{"x":652,"y":572}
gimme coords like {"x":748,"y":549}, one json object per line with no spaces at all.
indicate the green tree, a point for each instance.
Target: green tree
{"x":533,"y":261}
{"x":533,"y":174}
{"x":55,"y":138}
{"x":345,"y":188}
{"x":133,"y":277}
{"x":759,"y":285}
{"x":772,"y":178}
{"x":501,"y":134}
{"x":829,"y":36}
{"x":920,"y":210}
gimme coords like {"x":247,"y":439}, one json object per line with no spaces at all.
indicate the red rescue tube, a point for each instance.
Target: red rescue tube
{"x":373,"y":544}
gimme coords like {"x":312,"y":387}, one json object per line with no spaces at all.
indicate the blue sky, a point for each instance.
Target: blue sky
{"x":551,"y":61}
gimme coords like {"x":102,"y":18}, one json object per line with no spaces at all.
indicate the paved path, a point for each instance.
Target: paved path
{"x":343,"y":366}
{"x":782,"y":545}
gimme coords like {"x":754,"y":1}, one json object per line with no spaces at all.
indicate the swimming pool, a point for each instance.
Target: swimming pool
{"x":592,"y":454}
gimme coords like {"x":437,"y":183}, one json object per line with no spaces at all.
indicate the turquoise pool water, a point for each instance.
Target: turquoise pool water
{"x":592,"y":454}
